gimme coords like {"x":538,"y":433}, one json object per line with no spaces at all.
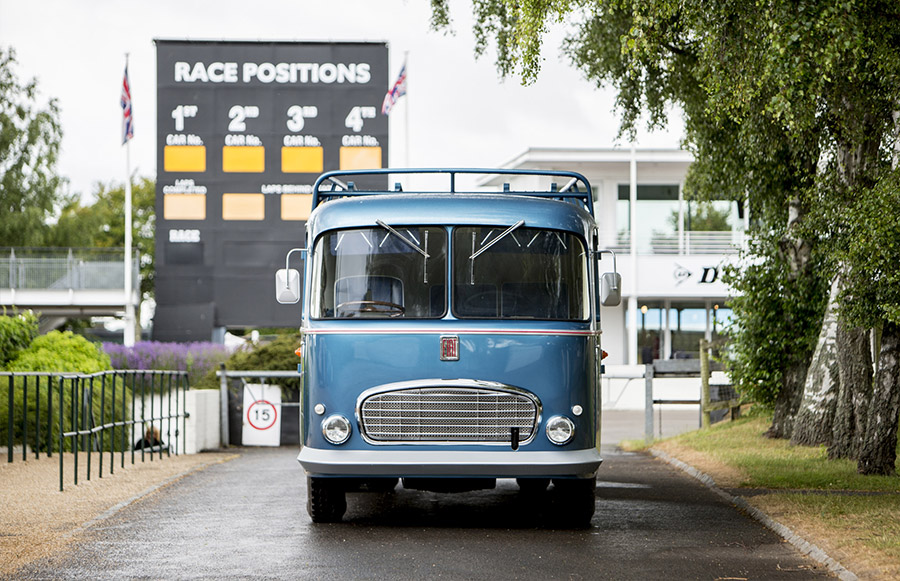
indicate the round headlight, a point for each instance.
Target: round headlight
{"x":336,"y":429}
{"x":560,"y":430}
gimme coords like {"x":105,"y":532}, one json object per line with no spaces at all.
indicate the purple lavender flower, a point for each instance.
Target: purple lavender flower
{"x":196,"y":358}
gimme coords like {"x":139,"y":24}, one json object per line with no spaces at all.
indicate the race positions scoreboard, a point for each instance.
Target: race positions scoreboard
{"x":243,"y":131}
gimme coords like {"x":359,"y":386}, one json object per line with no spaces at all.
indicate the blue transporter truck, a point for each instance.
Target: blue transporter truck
{"x":450,"y":338}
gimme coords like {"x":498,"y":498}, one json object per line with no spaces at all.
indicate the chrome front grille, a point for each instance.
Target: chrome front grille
{"x":448,"y":414}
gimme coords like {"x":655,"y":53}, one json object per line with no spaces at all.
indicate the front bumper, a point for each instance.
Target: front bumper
{"x":490,"y":464}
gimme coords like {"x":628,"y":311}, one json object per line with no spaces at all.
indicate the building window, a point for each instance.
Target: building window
{"x":687,"y":322}
{"x":651,"y":322}
{"x":665,"y":227}
{"x":657,"y":232}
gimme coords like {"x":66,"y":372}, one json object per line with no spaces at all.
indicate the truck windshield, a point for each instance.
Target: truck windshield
{"x":385,"y":272}
{"x":530,"y":273}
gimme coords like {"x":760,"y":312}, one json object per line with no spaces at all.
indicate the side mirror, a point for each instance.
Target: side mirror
{"x":287,"y":280}
{"x":287,"y":286}
{"x":610,"y":289}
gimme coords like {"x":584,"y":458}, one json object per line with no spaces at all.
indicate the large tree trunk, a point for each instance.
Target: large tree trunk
{"x":813,"y":423}
{"x":879,"y":449}
{"x":797,"y":251}
{"x":787,"y":402}
{"x":839,"y":366}
{"x":855,"y":366}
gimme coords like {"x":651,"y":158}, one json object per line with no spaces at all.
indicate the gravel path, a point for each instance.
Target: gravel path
{"x":38,"y":521}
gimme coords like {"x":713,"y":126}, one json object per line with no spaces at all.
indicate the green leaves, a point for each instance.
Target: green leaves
{"x":277,"y":355}
{"x":16,"y":334}
{"x":60,"y":352}
{"x":515,"y":27}
{"x":30,"y":136}
{"x":788,"y":105}
{"x":30,"y":189}
{"x":102,"y":224}
{"x":870,"y":246}
{"x":776,"y":317}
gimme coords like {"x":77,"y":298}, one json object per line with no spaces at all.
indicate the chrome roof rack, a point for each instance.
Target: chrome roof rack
{"x":576,"y":188}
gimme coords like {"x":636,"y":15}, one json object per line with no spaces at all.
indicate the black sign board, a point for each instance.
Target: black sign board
{"x":243,"y":130}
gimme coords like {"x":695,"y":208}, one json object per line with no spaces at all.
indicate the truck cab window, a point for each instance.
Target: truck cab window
{"x":529,"y":273}
{"x":383,"y":272}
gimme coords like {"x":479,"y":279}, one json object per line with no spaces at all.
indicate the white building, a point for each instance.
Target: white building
{"x":671,"y":265}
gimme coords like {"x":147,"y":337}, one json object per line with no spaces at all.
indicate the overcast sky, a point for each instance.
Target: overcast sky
{"x":461,"y":114}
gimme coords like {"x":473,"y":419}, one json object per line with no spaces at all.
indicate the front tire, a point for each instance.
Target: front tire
{"x":575,"y":501}
{"x":326,"y":500}
{"x":382,"y":485}
{"x":533,"y":485}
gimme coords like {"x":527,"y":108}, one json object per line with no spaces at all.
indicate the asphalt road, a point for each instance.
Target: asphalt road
{"x":247,"y":519}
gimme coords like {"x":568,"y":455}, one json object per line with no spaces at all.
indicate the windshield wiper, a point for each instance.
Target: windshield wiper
{"x":488,"y":245}
{"x":497,"y":239}
{"x":409,"y":242}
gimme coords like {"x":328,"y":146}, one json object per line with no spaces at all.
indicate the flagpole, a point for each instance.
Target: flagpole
{"x":406,"y":109}
{"x":128,"y":335}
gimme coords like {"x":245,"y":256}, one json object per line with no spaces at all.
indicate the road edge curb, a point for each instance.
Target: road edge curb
{"x":805,"y":547}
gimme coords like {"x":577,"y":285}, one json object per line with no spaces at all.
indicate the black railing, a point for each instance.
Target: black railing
{"x":100,"y":413}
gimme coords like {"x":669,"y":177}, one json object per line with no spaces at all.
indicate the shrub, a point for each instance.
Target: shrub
{"x":197,"y":358}
{"x":776,"y":319}
{"x":55,"y":352}
{"x":61,"y":352}
{"x":16,"y":334}
{"x":275,"y":356}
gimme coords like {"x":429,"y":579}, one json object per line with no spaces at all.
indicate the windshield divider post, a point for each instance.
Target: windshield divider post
{"x":425,"y":259}
{"x":472,"y":262}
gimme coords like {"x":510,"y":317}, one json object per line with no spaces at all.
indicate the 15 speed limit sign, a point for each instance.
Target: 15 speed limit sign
{"x":262,"y":415}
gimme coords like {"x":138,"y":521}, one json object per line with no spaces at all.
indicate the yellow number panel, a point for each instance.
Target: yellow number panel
{"x":184,"y":206}
{"x":245,"y":159}
{"x":360,"y":158}
{"x":243,"y":207}
{"x":184,"y":158}
{"x":302,"y":159}
{"x":295,"y":206}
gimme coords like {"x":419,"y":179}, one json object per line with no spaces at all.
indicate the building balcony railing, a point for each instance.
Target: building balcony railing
{"x":65,"y":268}
{"x":687,"y":243}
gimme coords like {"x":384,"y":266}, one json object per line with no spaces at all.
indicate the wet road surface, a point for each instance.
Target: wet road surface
{"x":247,"y":519}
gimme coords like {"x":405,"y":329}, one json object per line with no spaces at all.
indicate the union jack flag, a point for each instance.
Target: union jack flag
{"x":395,"y":92}
{"x":127,"y":119}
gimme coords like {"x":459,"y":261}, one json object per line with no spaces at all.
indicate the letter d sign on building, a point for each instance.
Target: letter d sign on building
{"x":262,"y":415}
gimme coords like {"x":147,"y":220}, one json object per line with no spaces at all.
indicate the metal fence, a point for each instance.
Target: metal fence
{"x":100,"y":413}
{"x":722,"y":398}
{"x":65,"y":268}
{"x":231,"y":404}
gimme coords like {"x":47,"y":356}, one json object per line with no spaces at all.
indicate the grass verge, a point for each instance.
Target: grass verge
{"x":855,"y":519}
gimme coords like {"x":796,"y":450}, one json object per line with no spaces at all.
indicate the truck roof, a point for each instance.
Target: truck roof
{"x":563,"y":186}
{"x":440,"y":209}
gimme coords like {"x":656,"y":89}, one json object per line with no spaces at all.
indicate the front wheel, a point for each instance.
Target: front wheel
{"x":533,"y":485}
{"x":326,"y":501}
{"x":575,"y":501}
